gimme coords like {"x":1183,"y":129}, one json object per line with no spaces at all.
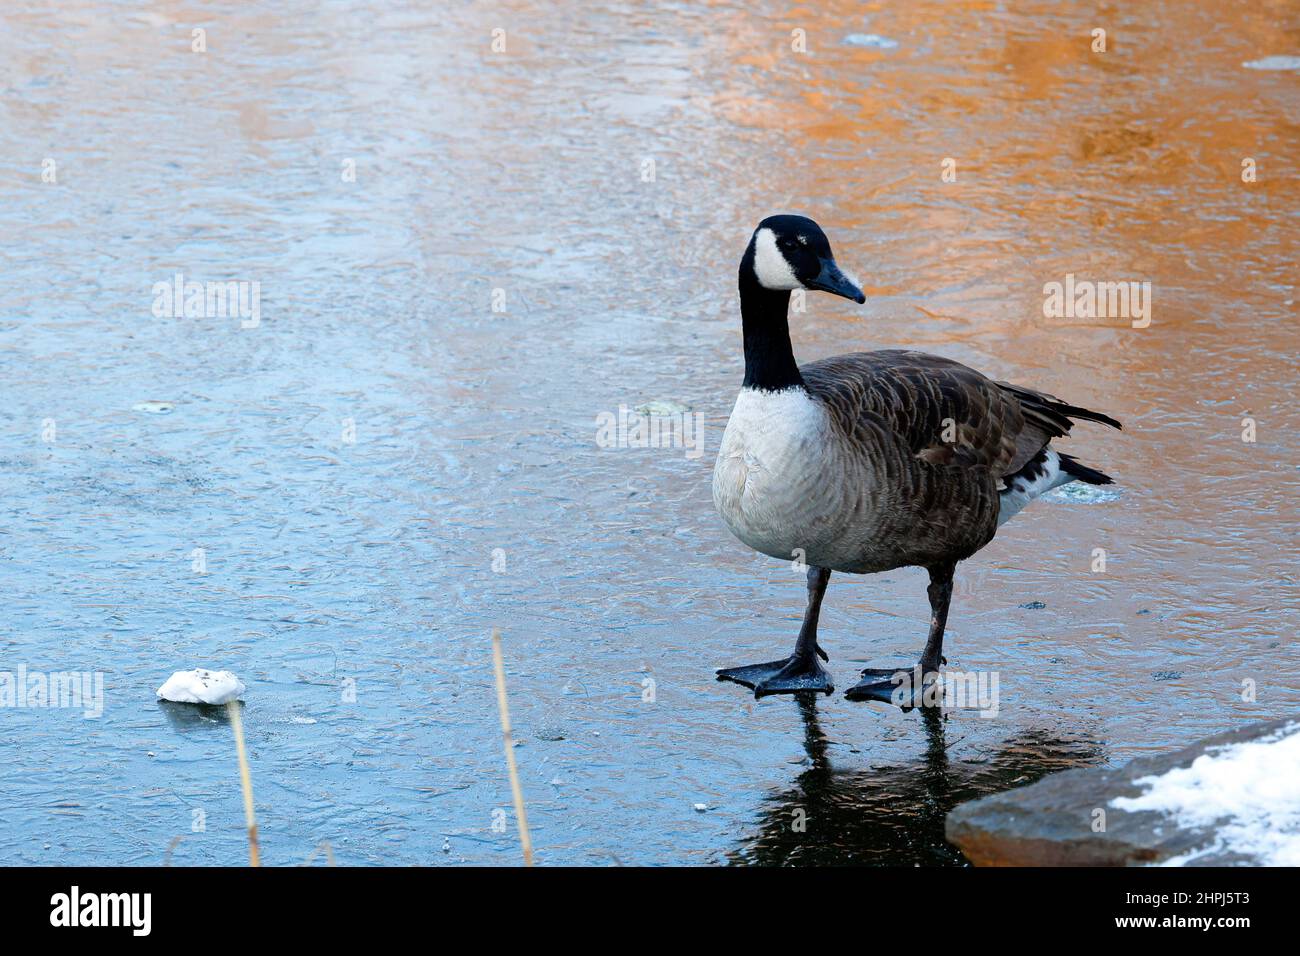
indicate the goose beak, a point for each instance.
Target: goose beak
{"x":832,"y":280}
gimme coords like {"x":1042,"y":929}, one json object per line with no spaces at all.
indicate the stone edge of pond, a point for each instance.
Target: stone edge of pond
{"x":1050,"y":823}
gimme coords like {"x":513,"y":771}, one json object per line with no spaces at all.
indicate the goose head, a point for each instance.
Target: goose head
{"x":792,"y":252}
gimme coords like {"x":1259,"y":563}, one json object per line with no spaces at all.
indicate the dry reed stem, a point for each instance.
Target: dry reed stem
{"x":246,"y":782}
{"x":524,"y":839}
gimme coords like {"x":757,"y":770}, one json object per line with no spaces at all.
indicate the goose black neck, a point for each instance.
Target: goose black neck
{"x":769,"y":358}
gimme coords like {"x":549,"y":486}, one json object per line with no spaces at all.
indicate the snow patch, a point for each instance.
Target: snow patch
{"x":1249,"y":794}
{"x":201,"y":686}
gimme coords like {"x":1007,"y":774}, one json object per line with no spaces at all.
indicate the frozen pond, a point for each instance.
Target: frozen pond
{"x":464,"y":258}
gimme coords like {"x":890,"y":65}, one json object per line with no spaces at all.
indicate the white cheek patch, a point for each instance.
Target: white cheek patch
{"x":770,"y":266}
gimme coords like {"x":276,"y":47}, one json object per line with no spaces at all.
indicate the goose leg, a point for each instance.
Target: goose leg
{"x":905,"y":688}
{"x":800,"y":672}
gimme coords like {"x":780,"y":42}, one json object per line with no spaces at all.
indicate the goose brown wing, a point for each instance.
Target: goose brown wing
{"x":941,"y":411}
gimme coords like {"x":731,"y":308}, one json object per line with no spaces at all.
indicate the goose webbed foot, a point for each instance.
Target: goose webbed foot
{"x":795,"y":675}
{"x":901,"y":687}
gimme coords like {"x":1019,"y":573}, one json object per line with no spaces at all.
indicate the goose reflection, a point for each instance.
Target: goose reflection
{"x":893,"y":816}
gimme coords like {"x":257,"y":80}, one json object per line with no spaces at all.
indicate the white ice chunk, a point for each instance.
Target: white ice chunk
{"x":1274,"y":63}
{"x":201,"y":686}
{"x":871,"y":40}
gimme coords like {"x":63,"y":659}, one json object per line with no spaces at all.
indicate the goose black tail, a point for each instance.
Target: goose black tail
{"x":1081,"y":472}
{"x":1087,"y":414}
{"x":1051,"y":414}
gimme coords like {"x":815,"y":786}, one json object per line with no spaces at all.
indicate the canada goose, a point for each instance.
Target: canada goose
{"x":869,"y":461}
